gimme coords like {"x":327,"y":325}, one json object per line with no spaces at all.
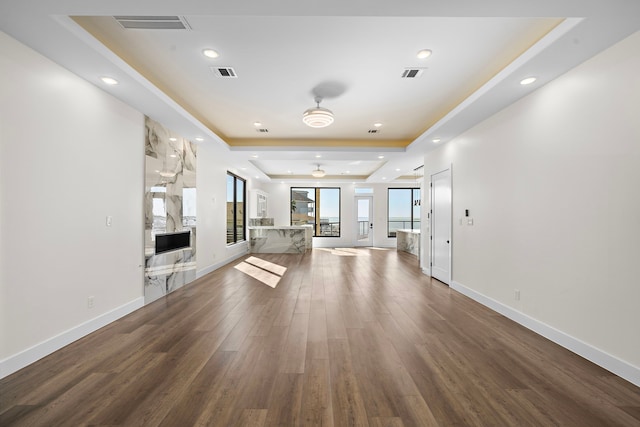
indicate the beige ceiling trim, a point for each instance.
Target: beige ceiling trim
{"x":496,"y":67}
{"x":351,"y":143}
{"x":324,"y":178}
{"x":89,"y":25}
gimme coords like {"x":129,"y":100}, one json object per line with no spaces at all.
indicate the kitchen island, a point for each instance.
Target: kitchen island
{"x":283,"y":239}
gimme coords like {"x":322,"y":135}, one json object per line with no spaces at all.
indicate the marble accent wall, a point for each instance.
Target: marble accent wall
{"x":170,"y":206}
{"x":408,"y":241}
{"x":260,"y":222}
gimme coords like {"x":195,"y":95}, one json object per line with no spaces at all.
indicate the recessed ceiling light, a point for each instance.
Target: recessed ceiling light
{"x":377,"y":124}
{"x":257,"y":177}
{"x":527,"y":81}
{"x":172,"y":156}
{"x":289,"y":172}
{"x":424,"y":53}
{"x":173,"y":138}
{"x":347,"y":171}
{"x":318,"y":156}
{"x":255,"y":156}
{"x":109,"y":80}
{"x":384,"y":178}
{"x":257,"y":124}
{"x":381,"y":157}
{"x":244,"y":169}
{"x":199,"y":138}
{"x":436,"y":140}
{"x":210,"y":53}
{"x":397,"y":169}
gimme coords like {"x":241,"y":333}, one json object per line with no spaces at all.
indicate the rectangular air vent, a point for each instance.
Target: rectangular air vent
{"x":412,"y":73}
{"x":153,"y":22}
{"x":374,"y":130}
{"x":225,"y":72}
{"x":262,"y":130}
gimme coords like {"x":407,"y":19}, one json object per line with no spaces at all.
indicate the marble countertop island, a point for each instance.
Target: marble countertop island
{"x":408,"y":241}
{"x":280,"y":239}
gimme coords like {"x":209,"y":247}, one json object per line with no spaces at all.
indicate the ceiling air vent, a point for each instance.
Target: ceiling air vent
{"x":412,"y":73}
{"x":374,"y":130}
{"x":262,"y":130}
{"x":153,"y":22}
{"x":225,"y":72}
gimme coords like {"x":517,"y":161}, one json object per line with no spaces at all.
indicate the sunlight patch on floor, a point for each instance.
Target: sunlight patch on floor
{"x":266,"y":265}
{"x":347,"y":251}
{"x":262,"y":270}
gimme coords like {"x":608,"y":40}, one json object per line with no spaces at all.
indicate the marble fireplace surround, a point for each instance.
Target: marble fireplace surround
{"x":170,"y":207}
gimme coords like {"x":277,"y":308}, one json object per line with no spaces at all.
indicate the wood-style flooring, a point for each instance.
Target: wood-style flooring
{"x":346,"y":338}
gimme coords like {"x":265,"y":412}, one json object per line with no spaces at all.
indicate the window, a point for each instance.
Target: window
{"x":403,"y":210}
{"x":319,"y":207}
{"x":235,"y":208}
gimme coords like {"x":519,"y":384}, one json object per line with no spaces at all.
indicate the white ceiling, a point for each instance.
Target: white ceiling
{"x":286,"y":52}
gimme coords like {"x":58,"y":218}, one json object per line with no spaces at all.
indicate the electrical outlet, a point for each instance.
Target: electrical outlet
{"x":516,"y":294}
{"x":90,"y":302}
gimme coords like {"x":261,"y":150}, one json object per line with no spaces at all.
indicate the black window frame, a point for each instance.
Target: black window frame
{"x":413,"y":201}
{"x":317,"y":223}
{"x":235,"y":238}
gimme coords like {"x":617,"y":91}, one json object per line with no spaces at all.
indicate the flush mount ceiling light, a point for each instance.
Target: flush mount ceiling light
{"x":317,"y":117}
{"x":527,"y":81}
{"x":317,"y":173}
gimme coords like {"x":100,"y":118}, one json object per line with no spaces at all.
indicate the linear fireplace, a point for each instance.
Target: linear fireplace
{"x":173,"y":241}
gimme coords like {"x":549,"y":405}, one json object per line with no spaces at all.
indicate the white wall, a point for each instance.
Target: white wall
{"x":70,"y":156}
{"x":551,"y":183}
{"x":212,"y":248}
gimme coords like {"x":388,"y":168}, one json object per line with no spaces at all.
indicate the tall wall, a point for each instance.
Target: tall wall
{"x":70,"y":156}
{"x":551,"y":183}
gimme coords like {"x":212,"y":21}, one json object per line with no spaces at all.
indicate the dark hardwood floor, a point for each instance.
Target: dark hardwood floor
{"x":347,"y":338}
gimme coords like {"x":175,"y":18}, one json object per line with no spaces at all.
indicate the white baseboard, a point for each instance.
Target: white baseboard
{"x":26,"y":357}
{"x":611,"y":363}
{"x":214,"y":267}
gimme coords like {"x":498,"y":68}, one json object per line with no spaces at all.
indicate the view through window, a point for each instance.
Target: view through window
{"x":403,"y":210}
{"x":235,"y":208}
{"x":317,"y":206}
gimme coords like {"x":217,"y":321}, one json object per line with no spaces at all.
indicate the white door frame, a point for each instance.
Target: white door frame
{"x":368,"y":242}
{"x":431,"y":243}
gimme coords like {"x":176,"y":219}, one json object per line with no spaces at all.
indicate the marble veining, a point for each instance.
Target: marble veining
{"x":170,"y":190}
{"x":286,"y":239}
{"x":408,"y":241}
{"x":260,"y":222}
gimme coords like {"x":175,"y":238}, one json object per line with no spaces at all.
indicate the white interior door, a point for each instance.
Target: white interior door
{"x":441,"y":226}
{"x":364,"y":224}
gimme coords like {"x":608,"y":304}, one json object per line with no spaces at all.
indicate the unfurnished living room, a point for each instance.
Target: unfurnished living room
{"x":262,"y":213}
